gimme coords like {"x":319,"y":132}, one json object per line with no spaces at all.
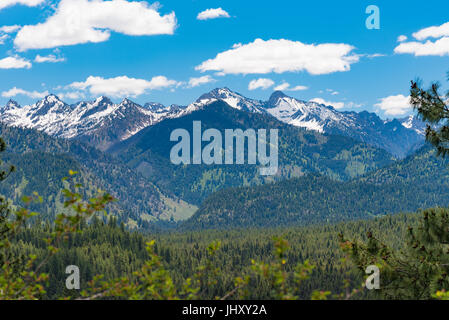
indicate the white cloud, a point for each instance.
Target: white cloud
{"x":122,"y":86}
{"x":285,"y":86}
{"x":332,"y":92}
{"x":336,"y":105}
{"x":82,"y":21}
{"x":429,"y":48}
{"x":14,"y":63}
{"x":212,"y":14}
{"x":298,"y":88}
{"x":71,"y":95}
{"x":395,"y":105}
{"x":374,"y":55}
{"x":29,"y":3}
{"x":3,"y":38}
{"x":50,"y":58}
{"x":17,"y":91}
{"x":402,"y":38}
{"x":262,"y":83}
{"x":195,"y":82}
{"x":9,"y":29}
{"x":262,"y":57}
{"x":433,"y":32}
{"x":439,"y":47}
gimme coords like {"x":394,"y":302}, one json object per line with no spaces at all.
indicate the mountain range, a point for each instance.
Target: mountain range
{"x":333,"y":165}
{"x":300,"y":151}
{"x":103,"y":123}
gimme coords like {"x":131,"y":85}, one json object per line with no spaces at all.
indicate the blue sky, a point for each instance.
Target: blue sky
{"x":169,"y":53}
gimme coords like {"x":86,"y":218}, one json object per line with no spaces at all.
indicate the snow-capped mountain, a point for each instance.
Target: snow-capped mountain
{"x":102,"y":123}
{"x":310,"y":115}
{"x":393,"y":136}
{"x":412,"y":122}
{"x":47,"y":115}
{"x":234,"y":99}
{"x":399,"y":137}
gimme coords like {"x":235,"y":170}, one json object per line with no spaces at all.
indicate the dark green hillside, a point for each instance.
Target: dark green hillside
{"x":43,"y":172}
{"x":421,"y":168}
{"x":43,"y":160}
{"x":300,"y":152}
{"x":417,"y":182}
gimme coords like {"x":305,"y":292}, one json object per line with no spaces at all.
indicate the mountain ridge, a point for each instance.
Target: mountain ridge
{"x":103,"y":123}
{"x":300,"y":151}
{"x":417,"y":182}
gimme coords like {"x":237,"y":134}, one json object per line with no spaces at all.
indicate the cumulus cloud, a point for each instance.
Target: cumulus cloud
{"x":402,"y":38}
{"x":15,"y":62}
{"x":212,"y":14}
{"x":9,"y":29}
{"x":282,"y":87}
{"x":336,"y":105}
{"x":122,"y":86}
{"x":195,"y":82}
{"x":279,"y":56}
{"x":17,"y":91}
{"x":433,"y":32}
{"x":285,"y":86}
{"x":71,"y":95}
{"x":3,"y":38}
{"x":29,"y":3}
{"x":439,"y":47}
{"x":50,"y":58}
{"x":429,"y":48}
{"x":261,"y":83}
{"x":298,"y":88}
{"x":82,"y":21}
{"x":395,"y":105}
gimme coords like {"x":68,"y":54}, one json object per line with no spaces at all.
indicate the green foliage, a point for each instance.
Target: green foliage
{"x":153,"y":281}
{"x":277,"y":276}
{"x":202,"y":269}
{"x":420,"y":269}
{"x":419,"y":181}
{"x":21,"y":278}
{"x":433,"y":108}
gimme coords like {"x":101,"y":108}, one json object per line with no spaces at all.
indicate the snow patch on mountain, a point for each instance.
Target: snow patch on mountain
{"x":413,"y":123}
{"x":59,"y":119}
{"x":102,"y":122}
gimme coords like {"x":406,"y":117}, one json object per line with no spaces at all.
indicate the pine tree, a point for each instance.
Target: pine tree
{"x":421,"y":269}
{"x":433,"y":107}
{"x":5,"y":213}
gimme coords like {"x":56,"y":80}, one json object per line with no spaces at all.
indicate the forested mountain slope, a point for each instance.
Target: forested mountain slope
{"x":420,"y":181}
{"x":300,"y":152}
{"x":43,"y":160}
